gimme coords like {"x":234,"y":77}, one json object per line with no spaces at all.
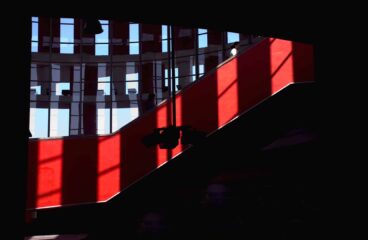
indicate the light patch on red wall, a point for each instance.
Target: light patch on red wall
{"x":162,"y":120}
{"x":49,"y":173}
{"x":179,"y":122}
{"x":281,"y":63}
{"x":108,"y":168}
{"x":227,"y":92}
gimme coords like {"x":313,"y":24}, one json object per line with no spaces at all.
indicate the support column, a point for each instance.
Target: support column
{"x":90,"y":87}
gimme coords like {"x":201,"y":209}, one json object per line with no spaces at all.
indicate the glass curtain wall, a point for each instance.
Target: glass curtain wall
{"x":86,"y":84}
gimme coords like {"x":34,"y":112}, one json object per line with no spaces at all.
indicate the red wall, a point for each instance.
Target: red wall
{"x":93,"y":169}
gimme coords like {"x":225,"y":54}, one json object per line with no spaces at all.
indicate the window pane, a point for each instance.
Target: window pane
{"x":66,"y":33}
{"x":34,"y":46}
{"x":164,"y":46}
{"x":133,"y":48}
{"x":63,"y":122}
{"x":164,"y":32}
{"x":67,"y":20}
{"x":103,"y":121}
{"x":133,"y":32}
{"x":104,"y":22}
{"x":202,"y":41}
{"x":102,"y":49}
{"x":131,"y":87}
{"x":67,"y":48}
{"x":34,"y":31}
{"x":62,"y":86}
{"x":132,"y":77}
{"x":104,"y":85}
{"x":201,"y":70}
{"x":122,"y":116}
{"x":232,"y":37}
{"x":36,"y":89}
{"x":193,"y":73}
{"x":202,"y":30}
{"x":38,"y":122}
{"x":59,"y":124}
{"x":104,"y":36}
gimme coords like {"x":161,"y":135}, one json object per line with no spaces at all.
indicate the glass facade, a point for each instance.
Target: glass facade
{"x":86,"y":84}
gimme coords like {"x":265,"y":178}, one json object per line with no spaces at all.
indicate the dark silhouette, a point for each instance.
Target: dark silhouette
{"x":148,"y":104}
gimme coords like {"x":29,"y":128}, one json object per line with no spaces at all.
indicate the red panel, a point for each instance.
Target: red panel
{"x":90,"y":169}
{"x":227,"y":93}
{"x":147,"y":78}
{"x":184,"y":38}
{"x":49,"y":177}
{"x":89,"y":109}
{"x":151,"y":38}
{"x":120,"y":37}
{"x":108,"y":169}
{"x":56,"y":35}
{"x":214,"y":37}
{"x":77,"y":35}
{"x":281,"y":64}
{"x":44,"y":34}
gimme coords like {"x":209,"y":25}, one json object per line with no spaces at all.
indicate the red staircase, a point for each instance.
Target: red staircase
{"x":90,"y":169}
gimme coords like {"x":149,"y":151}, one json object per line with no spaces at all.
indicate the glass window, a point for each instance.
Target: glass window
{"x":102,"y":49}
{"x":164,"y":32}
{"x":67,"y":35}
{"x":62,"y":86}
{"x":176,"y":77}
{"x":67,"y":20}
{"x":34,"y":34}
{"x":194,"y":73}
{"x":37,"y":89}
{"x":103,"y":121}
{"x":67,"y":48}
{"x":202,"y":41}
{"x":123,"y":116}
{"x":104,"y":22}
{"x":34,"y":46}
{"x":38,"y":122}
{"x":59,"y":124}
{"x":102,"y":40}
{"x":131,"y":87}
{"x":35,"y":31}
{"x":202,"y":30}
{"x":164,"y":46}
{"x":131,"y":78}
{"x":133,"y":48}
{"x":201,"y":70}
{"x":232,"y":37}
{"x":133,"y":32}
{"x":104,"y":36}
{"x":104,"y":84}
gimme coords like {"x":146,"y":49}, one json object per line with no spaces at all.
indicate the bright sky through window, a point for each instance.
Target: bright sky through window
{"x":232,"y":37}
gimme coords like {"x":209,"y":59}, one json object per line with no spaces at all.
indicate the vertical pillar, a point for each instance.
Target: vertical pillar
{"x":90,"y":86}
